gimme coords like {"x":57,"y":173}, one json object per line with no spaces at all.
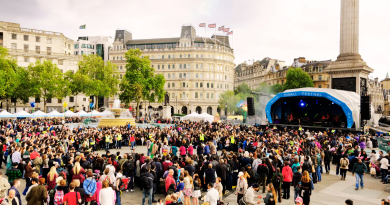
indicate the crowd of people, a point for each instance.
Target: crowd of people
{"x":62,"y":165}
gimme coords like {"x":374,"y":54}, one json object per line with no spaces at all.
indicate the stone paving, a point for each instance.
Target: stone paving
{"x":329,"y":191}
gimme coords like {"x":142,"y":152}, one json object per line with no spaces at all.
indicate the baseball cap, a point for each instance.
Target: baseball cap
{"x":240,"y":174}
{"x":298,"y":199}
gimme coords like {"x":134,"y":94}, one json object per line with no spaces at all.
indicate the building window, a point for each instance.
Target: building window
{"x":196,"y":75}
{"x":196,"y":85}
{"x":201,"y":95}
{"x":60,"y":62}
{"x":180,"y":66}
{"x":14,"y":36}
{"x":14,"y":46}
{"x":173,"y":85}
{"x":25,"y":37}
{"x":185,"y":66}
{"x":207,"y":95}
{"x":180,"y":55}
{"x":48,"y":40}
{"x":84,"y":99}
{"x":37,"y":49}
{"x":208,"y":85}
{"x":319,"y":86}
{"x":212,"y":85}
{"x":82,"y":52}
{"x":169,"y":66}
{"x":173,"y":75}
{"x":71,"y":99}
{"x":196,"y":95}
{"x":180,"y":75}
{"x":37,"y":39}
{"x":59,"y":101}
{"x":169,"y":75}
{"x":162,"y":67}
{"x":37,"y":100}
{"x":201,"y":76}
{"x":169,"y":85}
{"x":173,"y":66}
{"x":196,"y":66}
{"x":201,"y":85}
{"x":197,"y":56}
{"x":48,"y":50}
{"x":189,"y":55}
{"x":169,"y":56}
{"x":26,"y":59}
{"x":26,"y":47}
{"x":158,"y":66}
{"x":212,"y":95}
{"x":120,"y":76}
{"x":320,"y":77}
{"x":183,"y":85}
{"x":162,"y":56}
{"x":48,"y":100}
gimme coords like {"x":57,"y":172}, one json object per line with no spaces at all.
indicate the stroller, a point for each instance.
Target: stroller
{"x":375,"y":171}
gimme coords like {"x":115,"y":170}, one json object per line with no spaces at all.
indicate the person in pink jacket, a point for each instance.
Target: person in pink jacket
{"x":98,"y":188}
{"x":183,"y":149}
{"x":287,"y":179}
{"x":190,"y":150}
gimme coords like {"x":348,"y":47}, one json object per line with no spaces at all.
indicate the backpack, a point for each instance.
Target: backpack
{"x":277,"y":181}
{"x":344,"y":163}
{"x":59,"y":198}
{"x":123,"y":184}
{"x":128,"y":166}
{"x":145,"y":182}
{"x":298,"y":187}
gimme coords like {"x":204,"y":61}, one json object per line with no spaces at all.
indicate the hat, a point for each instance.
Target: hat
{"x":298,"y":199}
{"x":240,"y":174}
{"x":248,"y":165}
{"x":255,"y":185}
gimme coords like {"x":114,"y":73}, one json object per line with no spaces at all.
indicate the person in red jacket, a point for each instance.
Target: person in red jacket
{"x":169,"y":180}
{"x":287,"y":179}
{"x":166,"y":164}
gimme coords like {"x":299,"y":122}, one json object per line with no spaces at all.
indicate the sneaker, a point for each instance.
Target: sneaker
{"x":356,"y":188}
{"x":131,"y":190}
{"x":127,"y":190}
{"x":362,"y":187}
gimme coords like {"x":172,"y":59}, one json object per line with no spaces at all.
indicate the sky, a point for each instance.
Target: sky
{"x":279,"y":29}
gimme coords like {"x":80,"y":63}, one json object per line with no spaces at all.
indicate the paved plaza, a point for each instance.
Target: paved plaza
{"x":329,"y":191}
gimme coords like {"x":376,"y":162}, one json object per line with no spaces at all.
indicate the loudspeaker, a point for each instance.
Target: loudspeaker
{"x":365,"y":107}
{"x":251,"y":106}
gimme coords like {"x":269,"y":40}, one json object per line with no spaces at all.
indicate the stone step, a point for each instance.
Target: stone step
{"x":115,"y":122}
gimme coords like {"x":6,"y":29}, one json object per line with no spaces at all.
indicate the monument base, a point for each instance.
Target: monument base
{"x":167,"y":112}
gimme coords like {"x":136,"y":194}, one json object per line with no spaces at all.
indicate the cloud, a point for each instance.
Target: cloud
{"x":281,"y":29}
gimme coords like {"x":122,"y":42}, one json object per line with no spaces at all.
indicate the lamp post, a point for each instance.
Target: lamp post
{"x":226,"y":110}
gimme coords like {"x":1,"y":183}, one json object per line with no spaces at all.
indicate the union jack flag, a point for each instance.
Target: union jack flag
{"x":226,"y":30}
{"x":202,"y":25}
{"x":213,"y":25}
{"x":230,"y":33}
{"x":221,"y":28}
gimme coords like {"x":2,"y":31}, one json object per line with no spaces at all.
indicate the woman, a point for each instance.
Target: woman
{"x":62,"y":187}
{"x":295,"y":165}
{"x":105,"y":176}
{"x":287,"y":179}
{"x":106,"y":195}
{"x":218,"y":187}
{"x":27,"y":175}
{"x":45,"y":166}
{"x":196,"y":193}
{"x":306,"y":188}
{"x":344,"y":162}
{"x":270,"y":198}
{"x":89,"y":186}
{"x":183,"y":149}
{"x":111,"y":173}
{"x":188,"y":184}
{"x":51,"y":178}
{"x":78,"y":172}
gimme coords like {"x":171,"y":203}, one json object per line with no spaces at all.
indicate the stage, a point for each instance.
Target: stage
{"x":314,"y":128}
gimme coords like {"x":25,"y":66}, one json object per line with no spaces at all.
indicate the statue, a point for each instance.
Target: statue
{"x":166,"y":99}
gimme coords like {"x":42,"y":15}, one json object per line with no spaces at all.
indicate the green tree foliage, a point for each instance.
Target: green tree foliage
{"x":297,"y":78}
{"x":243,"y":88}
{"x":277,"y":88}
{"x":273,"y":89}
{"x":95,"y":77}
{"x":140,"y":82}
{"x":46,"y":81}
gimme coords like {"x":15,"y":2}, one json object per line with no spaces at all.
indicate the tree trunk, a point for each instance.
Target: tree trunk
{"x":7,"y":104}
{"x":44,"y":104}
{"x":137,"y":109}
{"x":97,"y":103}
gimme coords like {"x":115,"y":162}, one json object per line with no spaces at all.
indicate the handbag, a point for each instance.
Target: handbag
{"x":312,"y":169}
{"x":77,"y":201}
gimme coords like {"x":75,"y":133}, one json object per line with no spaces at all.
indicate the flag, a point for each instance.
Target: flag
{"x":226,"y":30}
{"x":221,"y":28}
{"x":230,"y":33}
{"x":213,"y":25}
{"x":239,"y":104}
{"x":83,"y":26}
{"x":202,"y":25}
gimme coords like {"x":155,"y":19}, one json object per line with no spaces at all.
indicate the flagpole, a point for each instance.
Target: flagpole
{"x":205,"y":32}
{"x":215,"y":36}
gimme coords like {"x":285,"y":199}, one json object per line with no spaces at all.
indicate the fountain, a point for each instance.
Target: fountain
{"x":122,"y":116}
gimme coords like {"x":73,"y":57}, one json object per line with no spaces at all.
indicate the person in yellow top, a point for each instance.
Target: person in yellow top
{"x":92,"y":143}
{"x":201,"y":137}
{"x":118,"y":139}
{"x":107,"y":139}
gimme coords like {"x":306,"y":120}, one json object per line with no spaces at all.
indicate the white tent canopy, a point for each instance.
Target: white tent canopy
{"x":69,"y":113}
{"x":82,"y":113}
{"x":193,"y":116}
{"x":106,"y":112}
{"x":55,"y":113}
{"x":96,"y":113}
{"x":22,"y":113}
{"x":5,"y":114}
{"x":206,"y":117}
{"x":39,"y":114}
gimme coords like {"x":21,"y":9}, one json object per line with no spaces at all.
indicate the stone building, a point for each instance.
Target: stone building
{"x":30,"y":45}
{"x":196,"y":69}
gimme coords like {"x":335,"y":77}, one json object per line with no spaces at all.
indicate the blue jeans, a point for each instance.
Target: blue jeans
{"x":148,"y":152}
{"x":296,"y":194}
{"x":149,"y":193}
{"x":359,"y":176}
{"x":327,"y":166}
{"x":107,"y":146}
{"x":384,"y":174}
{"x":118,"y":197}
{"x":311,"y":178}
{"x":119,"y":144}
{"x":132,"y":145}
{"x":318,"y":173}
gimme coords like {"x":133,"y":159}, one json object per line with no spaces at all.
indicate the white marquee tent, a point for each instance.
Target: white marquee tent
{"x":39,"y":114}
{"x":22,"y":113}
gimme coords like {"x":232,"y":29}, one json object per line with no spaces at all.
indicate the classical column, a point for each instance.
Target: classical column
{"x":349,"y":30}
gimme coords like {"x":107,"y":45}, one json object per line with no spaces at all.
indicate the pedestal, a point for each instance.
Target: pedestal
{"x":167,"y":112}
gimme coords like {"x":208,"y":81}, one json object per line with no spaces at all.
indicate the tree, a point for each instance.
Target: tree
{"x":243,"y":88}
{"x":297,"y":78}
{"x":46,"y":80}
{"x":140,"y":82}
{"x":227,"y":97}
{"x":277,"y":88}
{"x":95,"y":77}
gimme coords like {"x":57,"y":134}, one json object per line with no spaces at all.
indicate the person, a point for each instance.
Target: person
{"x":327,"y":159}
{"x":106,"y":195}
{"x":384,"y":168}
{"x":119,"y":177}
{"x":77,"y":172}
{"x":250,"y":196}
{"x":34,"y":183}
{"x":287,"y":179}
{"x":160,"y":202}
{"x":298,"y":201}
{"x":262,"y":172}
{"x":28,"y":171}
{"x":170,"y":181}
{"x":218,"y":187}
{"x":306,"y":187}
{"x":360,"y":170}
{"x":242,"y":186}
{"x":188,"y":185}
{"x":11,"y":199}
{"x":296,"y":182}
{"x":271,"y":194}
{"x":4,"y":186}
{"x":51,"y":178}
{"x":212,"y":195}
{"x":147,"y":189}
{"x":72,"y":198}
{"x":196,"y":193}
{"x":209,"y":175}
{"x":38,"y":194}
{"x":79,"y":189}
{"x":13,"y":173}
{"x":277,"y":179}
{"x":105,"y":176}
{"x":89,"y":187}
{"x":344,"y":162}
{"x":15,"y":187}
{"x":222,"y":170}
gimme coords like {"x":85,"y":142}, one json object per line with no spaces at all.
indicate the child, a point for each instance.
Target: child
{"x":160,"y":202}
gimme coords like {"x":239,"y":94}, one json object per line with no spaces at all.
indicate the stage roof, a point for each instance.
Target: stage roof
{"x":348,"y":101}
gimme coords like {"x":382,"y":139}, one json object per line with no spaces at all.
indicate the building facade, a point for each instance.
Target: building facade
{"x":30,"y":45}
{"x":196,"y":69}
{"x":93,"y":45}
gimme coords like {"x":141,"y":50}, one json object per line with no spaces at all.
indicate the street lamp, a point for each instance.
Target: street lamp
{"x":226,"y":110}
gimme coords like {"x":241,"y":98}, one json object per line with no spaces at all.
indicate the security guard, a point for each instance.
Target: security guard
{"x":119,"y":141}
{"x":92,"y":143}
{"x":107,"y":139}
{"x":201,"y":137}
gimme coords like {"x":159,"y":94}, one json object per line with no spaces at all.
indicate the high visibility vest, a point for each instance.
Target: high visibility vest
{"x":201,"y":137}
{"x":119,"y":137}
{"x":300,"y":129}
{"x":92,"y":142}
{"x":107,"y":138}
{"x":333,"y":131}
{"x":150,"y":135}
{"x":275,"y":128}
{"x":232,"y":140}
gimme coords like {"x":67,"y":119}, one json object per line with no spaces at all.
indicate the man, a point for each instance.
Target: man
{"x":16,"y":156}
{"x":38,"y":194}
{"x":107,"y":139}
{"x":4,"y":186}
{"x":148,"y":187}
{"x":212,"y":195}
{"x":262,"y":172}
{"x":242,"y":185}
{"x":252,"y":175}
{"x":34,"y":183}
{"x":256,"y":162}
{"x":170,"y":180}
{"x":250,"y":196}
{"x":327,"y":159}
{"x":11,"y":199}
{"x":70,"y":198}
{"x":15,"y":187}
{"x":221,"y":169}
{"x":209,"y":175}
{"x":277,"y":179}
{"x":13,"y":173}
{"x":360,"y":169}
{"x":297,"y":176}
